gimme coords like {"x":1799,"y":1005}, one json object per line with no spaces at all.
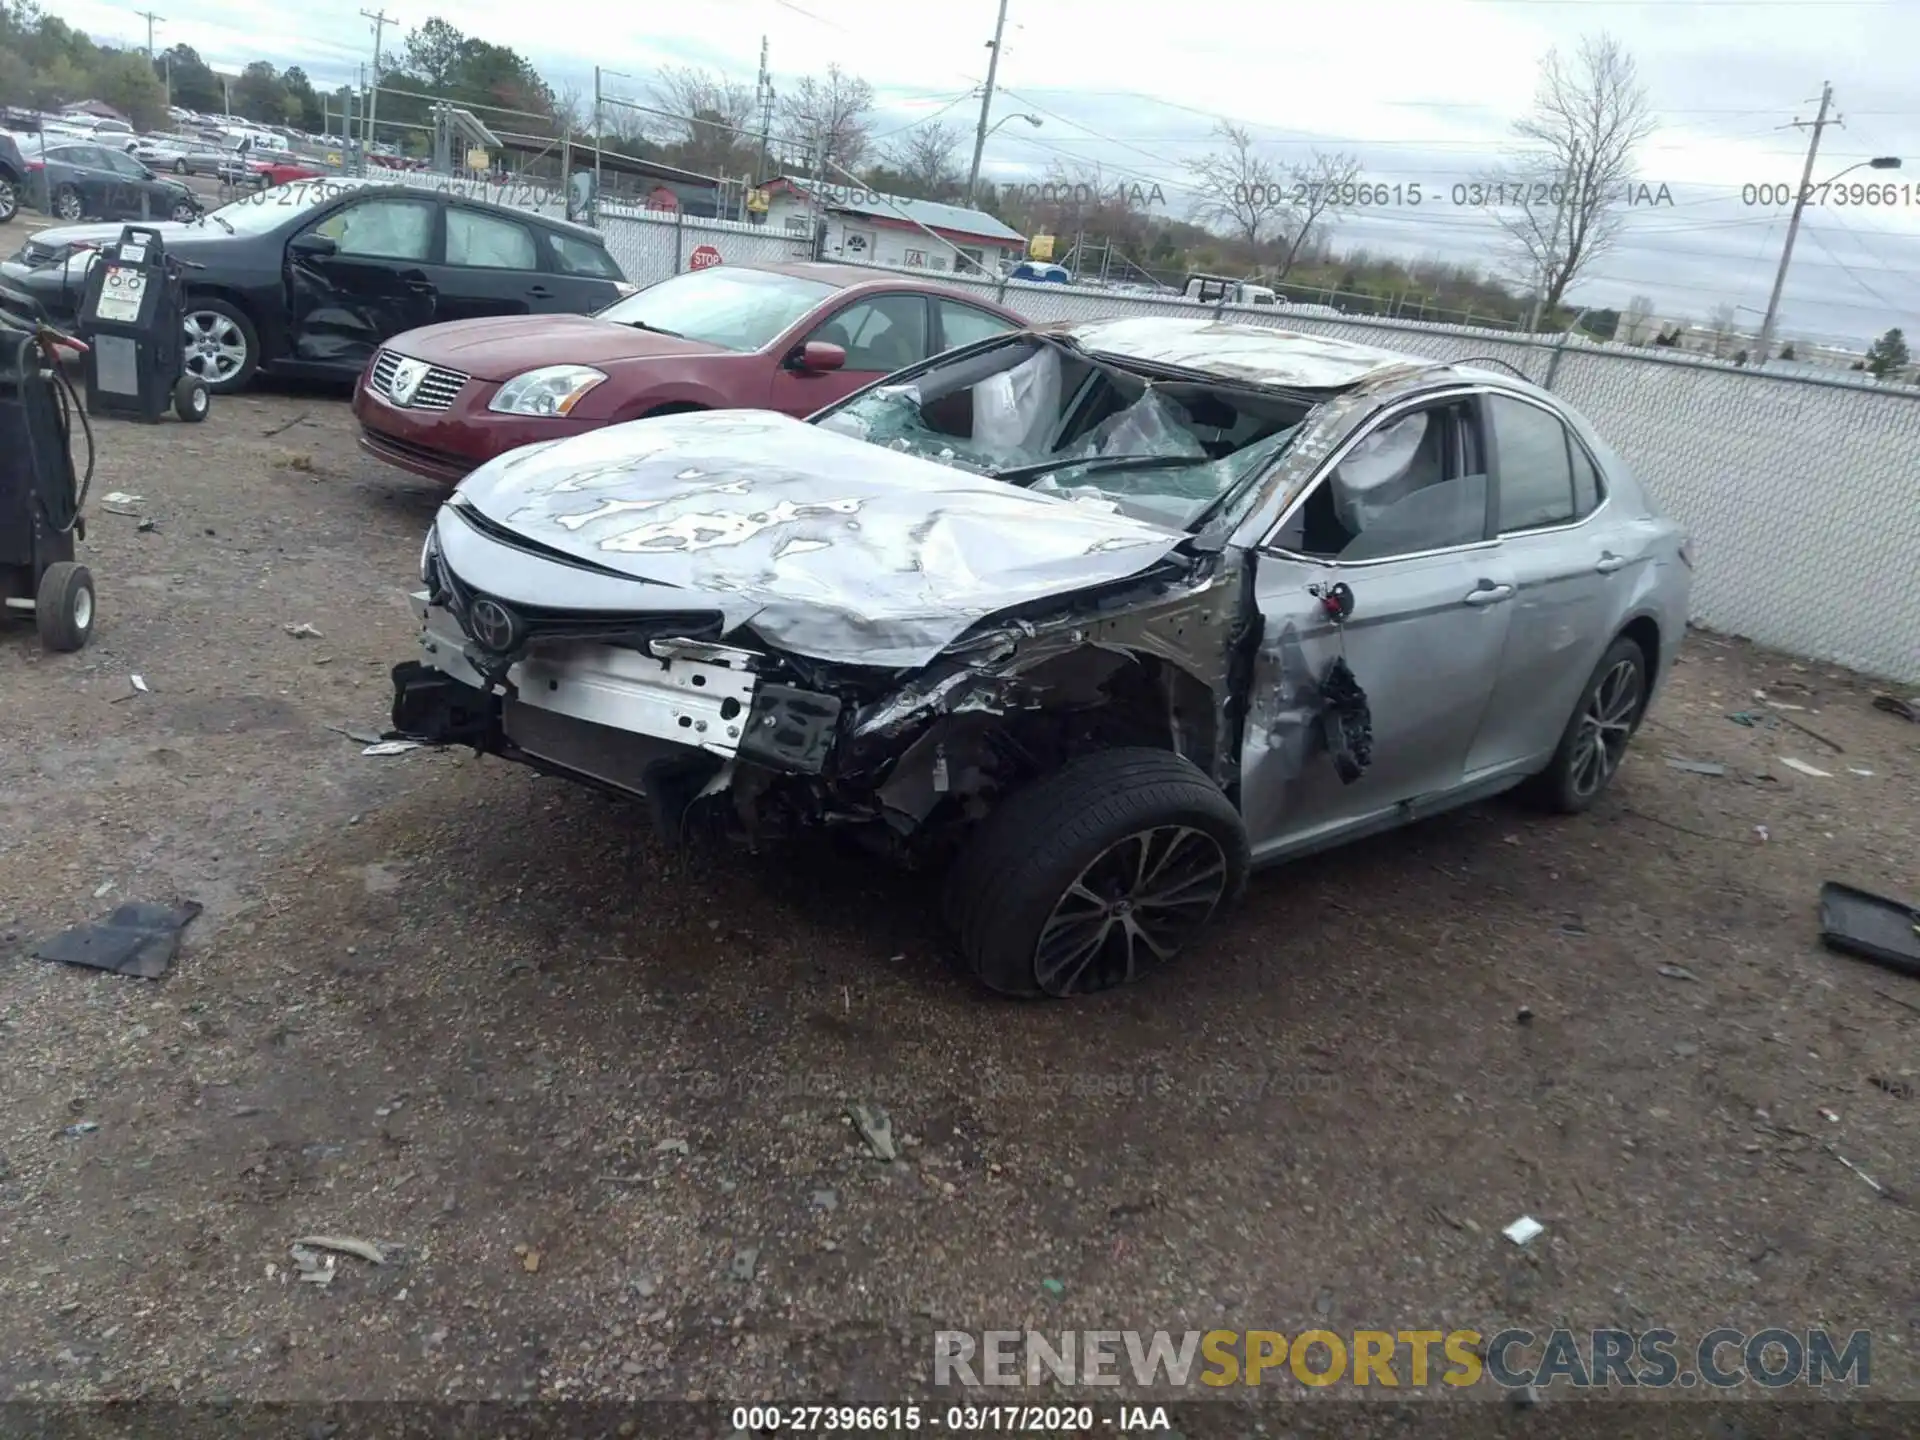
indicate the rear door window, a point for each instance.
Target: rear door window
{"x":1535,"y":456}
{"x":574,"y":256}
{"x":489,"y":242}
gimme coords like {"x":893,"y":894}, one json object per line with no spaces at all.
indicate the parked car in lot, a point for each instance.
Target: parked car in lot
{"x":791,"y":338}
{"x":96,"y":181}
{"x":180,"y":154}
{"x":1096,"y":617}
{"x":312,"y":277}
{"x":263,"y":169}
{"x":14,"y":189}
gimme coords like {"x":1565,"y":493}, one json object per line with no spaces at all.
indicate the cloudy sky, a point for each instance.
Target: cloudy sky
{"x":1417,"y":91}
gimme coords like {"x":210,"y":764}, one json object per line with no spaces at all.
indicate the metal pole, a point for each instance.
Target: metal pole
{"x":593,"y":201}
{"x":380,"y":21}
{"x":1793,"y":225}
{"x":986,"y":104}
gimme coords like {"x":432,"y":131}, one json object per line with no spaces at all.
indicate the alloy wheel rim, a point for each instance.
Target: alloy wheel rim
{"x":1605,"y":727}
{"x":216,"y":350}
{"x":1132,"y":907}
{"x":6,"y":195}
{"x":82,"y":610}
{"x":70,"y":207}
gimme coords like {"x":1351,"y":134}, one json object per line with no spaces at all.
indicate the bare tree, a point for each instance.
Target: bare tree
{"x":1560,"y":198}
{"x":1723,"y":325}
{"x":1318,"y":191}
{"x":706,"y":120}
{"x":928,"y":157}
{"x":1240,"y":190}
{"x":830,"y":115}
{"x":1636,"y":325}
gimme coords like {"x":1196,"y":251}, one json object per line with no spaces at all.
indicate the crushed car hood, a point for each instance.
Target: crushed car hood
{"x":501,"y":347}
{"x":826,"y":545}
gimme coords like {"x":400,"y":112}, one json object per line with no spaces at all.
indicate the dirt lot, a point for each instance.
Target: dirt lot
{"x":595,"y":1092}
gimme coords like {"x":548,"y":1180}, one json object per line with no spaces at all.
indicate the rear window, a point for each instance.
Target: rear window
{"x":575,"y":256}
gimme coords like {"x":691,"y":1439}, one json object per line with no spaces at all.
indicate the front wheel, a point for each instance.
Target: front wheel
{"x":1596,"y":738}
{"x":1096,"y":874}
{"x":185,"y":212}
{"x":67,"y":204}
{"x":222,"y":347}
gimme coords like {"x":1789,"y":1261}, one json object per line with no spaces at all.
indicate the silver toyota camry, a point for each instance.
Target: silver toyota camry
{"x":1097,"y":618}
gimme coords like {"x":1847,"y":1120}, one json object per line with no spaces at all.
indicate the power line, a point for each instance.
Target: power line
{"x":1853,"y":275}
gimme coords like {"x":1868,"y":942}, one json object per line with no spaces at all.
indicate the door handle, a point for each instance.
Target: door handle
{"x":1609,"y":562}
{"x":539,"y":292}
{"x":1489,"y":594}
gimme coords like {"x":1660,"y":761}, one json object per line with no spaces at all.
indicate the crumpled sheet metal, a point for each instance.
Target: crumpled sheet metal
{"x":828,"y":547}
{"x":1258,"y":354}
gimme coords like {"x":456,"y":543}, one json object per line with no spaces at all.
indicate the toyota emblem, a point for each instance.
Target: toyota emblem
{"x":407,"y":376}
{"x":493,"y":626}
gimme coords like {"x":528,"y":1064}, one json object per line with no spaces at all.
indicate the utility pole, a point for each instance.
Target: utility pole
{"x":1819,"y":123}
{"x":593,"y":200}
{"x":380,"y":21}
{"x":763,"y":96}
{"x":149,"y":17}
{"x":986,"y":102}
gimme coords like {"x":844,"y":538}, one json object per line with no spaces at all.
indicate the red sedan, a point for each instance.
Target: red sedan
{"x":442,"y":400}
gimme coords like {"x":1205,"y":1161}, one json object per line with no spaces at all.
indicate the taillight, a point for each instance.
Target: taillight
{"x":36,"y":164}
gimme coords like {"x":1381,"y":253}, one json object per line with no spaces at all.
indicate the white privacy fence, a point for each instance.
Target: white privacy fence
{"x":1803,"y":494}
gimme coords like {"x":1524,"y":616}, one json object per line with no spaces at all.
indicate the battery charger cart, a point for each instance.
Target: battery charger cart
{"x":132,"y":315}
{"x":40,"y":494}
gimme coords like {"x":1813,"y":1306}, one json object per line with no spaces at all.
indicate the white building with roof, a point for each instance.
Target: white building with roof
{"x":867,"y":227}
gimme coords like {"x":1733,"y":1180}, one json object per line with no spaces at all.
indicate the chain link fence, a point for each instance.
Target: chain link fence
{"x":1802,"y":493}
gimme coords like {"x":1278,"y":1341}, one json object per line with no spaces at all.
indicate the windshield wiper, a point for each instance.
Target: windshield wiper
{"x":657,"y":330}
{"x":1097,"y":464}
{"x":225,"y":223}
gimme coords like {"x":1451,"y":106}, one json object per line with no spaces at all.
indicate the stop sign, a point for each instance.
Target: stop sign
{"x":702,"y":257}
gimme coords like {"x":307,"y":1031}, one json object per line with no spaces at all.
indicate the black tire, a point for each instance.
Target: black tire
{"x":180,"y":167}
{"x":67,"y":205}
{"x":1022,"y":865}
{"x":190,"y":399}
{"x":9,"y":197}
{"x":63,"y":607}
{"x":249,"y":338}
{"x":184,"y":212}
{"x":1578,"y":775}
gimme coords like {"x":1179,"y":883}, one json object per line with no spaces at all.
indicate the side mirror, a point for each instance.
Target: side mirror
{"x":312,"y":244}
{"x":819,"y":356}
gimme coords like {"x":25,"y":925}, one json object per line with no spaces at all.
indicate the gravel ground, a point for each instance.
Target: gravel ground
{"x":594,"y":1092}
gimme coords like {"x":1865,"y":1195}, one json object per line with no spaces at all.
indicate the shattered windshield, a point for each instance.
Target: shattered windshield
{"x":1040,"y":415}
